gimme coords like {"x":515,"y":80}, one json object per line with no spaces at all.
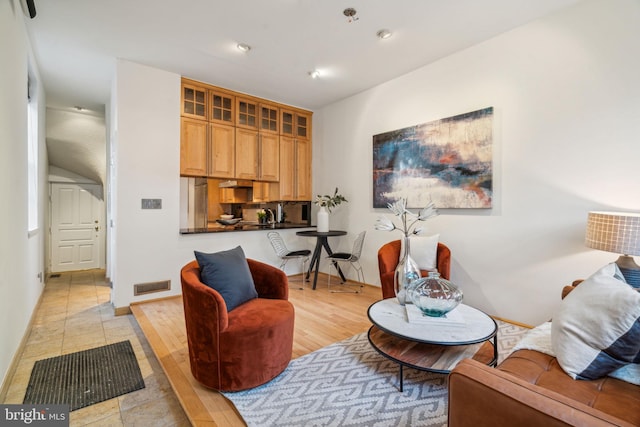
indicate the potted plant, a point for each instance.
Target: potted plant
{"x":262,"y":216}
{"x":326,"y":203}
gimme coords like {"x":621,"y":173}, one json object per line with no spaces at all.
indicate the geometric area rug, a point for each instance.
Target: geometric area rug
{"x":349,"y":384}
{"x":86,"y":377}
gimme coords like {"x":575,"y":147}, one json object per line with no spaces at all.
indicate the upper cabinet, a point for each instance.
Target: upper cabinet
{"x":252,"y":113}
{"x":194,"y":101}
{"x":225,"y":134}
{"x":193,"y":147}
{"x":269,"y":118}
{"x":246,"y":113}
{"x":222,"y":107}
{"x":295,"y":173}
{"x":295,"y":123}
{"x":257,"y":155}
{"x":222,"y":151}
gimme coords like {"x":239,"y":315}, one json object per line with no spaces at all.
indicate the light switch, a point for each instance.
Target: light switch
{"x":151,"y":203}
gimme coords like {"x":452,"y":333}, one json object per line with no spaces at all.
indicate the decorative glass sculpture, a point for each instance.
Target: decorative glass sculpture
{"x":406,"y":273}
{"x":435,"y":296}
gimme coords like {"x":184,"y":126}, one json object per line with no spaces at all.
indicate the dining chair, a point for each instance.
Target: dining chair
{"x":285,"y":254}
{"x":351,"y":260}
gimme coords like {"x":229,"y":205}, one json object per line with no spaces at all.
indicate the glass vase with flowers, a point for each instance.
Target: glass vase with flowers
{"x":407,"y":271}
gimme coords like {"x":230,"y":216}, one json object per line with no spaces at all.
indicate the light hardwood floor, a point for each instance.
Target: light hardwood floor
{"x":322,"y":318}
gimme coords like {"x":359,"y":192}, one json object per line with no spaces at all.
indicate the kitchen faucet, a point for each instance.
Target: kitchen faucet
{"x":271,"y":219}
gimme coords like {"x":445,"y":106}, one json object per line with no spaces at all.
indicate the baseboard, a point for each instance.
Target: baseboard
{"x":513,"y":322}
{"x":154,"y":300}
{"x":15,"y":360}
{"x":121,"y":311}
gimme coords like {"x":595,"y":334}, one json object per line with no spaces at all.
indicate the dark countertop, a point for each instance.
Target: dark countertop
{"x":242,"y":227}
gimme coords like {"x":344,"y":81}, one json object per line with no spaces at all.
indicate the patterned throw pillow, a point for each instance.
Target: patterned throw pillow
{"x":596,"y":329}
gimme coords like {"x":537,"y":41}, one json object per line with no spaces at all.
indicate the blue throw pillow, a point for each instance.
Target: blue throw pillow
{"x":228,"y":273}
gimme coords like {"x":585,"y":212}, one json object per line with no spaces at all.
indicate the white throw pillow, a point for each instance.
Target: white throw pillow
{"x":596,"y":329}
{"x":424,"y":251}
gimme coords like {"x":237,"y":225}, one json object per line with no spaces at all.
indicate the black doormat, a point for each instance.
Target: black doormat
{"x":86,"y":377}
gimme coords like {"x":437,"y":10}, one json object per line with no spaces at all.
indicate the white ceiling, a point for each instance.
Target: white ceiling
{"x":76,"y":42}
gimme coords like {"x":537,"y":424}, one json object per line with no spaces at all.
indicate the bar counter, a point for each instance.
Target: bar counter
{"x":218,"y":228}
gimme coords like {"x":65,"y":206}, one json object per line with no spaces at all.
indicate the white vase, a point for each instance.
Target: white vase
{"x":323,"y":220}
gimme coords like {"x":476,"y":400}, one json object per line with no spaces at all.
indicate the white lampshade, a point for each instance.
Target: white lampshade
{"x":617,"y":232}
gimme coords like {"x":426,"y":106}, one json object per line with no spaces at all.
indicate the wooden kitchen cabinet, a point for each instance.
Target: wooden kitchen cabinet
{"x":194,"y":101}
{"x":269,"y":122}
{"x":269,"y":157}
{"x":246,"y":113}
{"x":295,"y":169}
{"x":246,"y":153}
{"x":234,"y":195}
{"x":193,"y":147}
{"x":206,"y":149}
{"x":303,"y":169}
{"x":257,"y":155}
{"x":265,"y":191}
{"x":225,"y":134}
{"x":295,"y":123}
{"x":222,"y":107}
{"x":222,"y":151}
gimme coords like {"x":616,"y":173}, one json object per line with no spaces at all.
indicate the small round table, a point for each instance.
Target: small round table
{"x":321,"y":242}
{"x":432,"y":344}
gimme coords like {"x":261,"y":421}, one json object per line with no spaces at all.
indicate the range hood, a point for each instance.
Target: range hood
{"x":236,"y":183}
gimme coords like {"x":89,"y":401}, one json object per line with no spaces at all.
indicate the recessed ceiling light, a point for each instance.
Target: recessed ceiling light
{"x":244,"y":47}
{"x":314,"y":74}
{"x":383,"y":34}
{"x":350,"y":13}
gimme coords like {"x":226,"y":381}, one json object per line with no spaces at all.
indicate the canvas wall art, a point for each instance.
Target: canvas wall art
{"x":448,"y":161}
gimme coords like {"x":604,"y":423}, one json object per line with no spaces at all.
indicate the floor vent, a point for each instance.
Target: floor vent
{"x":53,"y":276}
{"x":151,"y":287}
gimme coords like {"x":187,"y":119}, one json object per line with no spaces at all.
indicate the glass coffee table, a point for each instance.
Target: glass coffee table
{"x":432,"y":344}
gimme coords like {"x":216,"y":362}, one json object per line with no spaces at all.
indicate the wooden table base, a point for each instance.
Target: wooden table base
{"x":429,"y":357}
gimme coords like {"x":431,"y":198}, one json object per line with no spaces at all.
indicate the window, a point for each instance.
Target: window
{"x":32,"y":153}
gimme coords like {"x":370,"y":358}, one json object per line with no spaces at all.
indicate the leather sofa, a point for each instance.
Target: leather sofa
{"x":530,"y":388}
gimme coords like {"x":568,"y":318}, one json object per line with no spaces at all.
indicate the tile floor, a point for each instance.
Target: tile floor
{"x":75,"y":314}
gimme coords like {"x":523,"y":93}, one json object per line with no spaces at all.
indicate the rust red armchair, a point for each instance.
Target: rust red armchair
{"x":243,"y":348}
{"x":389,"y":255}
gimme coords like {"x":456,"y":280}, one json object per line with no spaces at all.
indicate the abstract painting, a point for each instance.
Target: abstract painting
{"x":448,"y":161}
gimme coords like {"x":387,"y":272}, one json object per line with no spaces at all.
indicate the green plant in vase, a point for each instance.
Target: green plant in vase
{"x":326,"y":203}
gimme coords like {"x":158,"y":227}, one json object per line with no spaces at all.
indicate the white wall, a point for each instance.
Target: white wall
{"x":21,"y":256}
{"x":566,"y":98}
{"x":146,"y":245}
{"x":77,"y":142}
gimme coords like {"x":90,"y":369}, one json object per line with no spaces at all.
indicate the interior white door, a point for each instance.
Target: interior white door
{"x":76,"y":226}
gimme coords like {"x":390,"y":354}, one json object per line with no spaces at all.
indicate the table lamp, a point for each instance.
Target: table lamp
{"x":617,"y":232}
